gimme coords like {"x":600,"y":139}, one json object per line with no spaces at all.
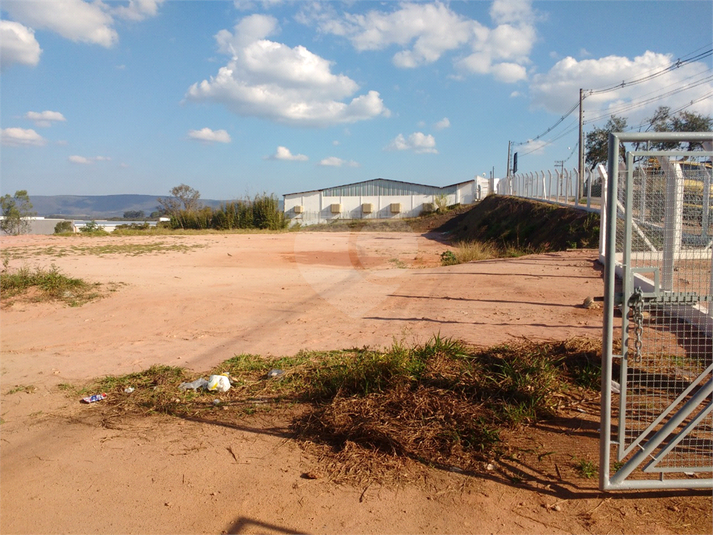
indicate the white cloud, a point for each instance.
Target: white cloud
{"x":249,"y":5}
{"x":84,"y":160}
{"x":44,"y":118}
{"x":509,"y":11}
{"x":72,"y":19}
{"x":425,"y":32}
{"x":557,"y":90}
{"x":209,"y":136}
{"x":18,"y":45}
{"x":534,"y":147}
{"x":333,"y":161}
{"x":443,"y":123}
{"x":18,"y":137}
{"x":509,"y":72}
{"x":417,"y":142}
{"x":288,"y":85}
{"x":137,"y":10}
{"x":283,"y":153}
{"x":78,"y":20}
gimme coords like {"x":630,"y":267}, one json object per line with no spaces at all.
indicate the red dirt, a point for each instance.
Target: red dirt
{"x":65,"y":469}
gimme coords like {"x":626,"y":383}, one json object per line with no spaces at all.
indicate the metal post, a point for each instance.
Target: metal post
{"x":580,"y":166}
{"x":608,"y":330}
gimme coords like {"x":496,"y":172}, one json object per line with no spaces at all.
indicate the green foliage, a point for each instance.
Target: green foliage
{"x":448,"y":258}
{"x":50,"y":284}
{"x":63,"y":227}
{"x":441,"y":203}
{"x":441,"y":403}
{"x":182,"y":204}
{"x":134,"y":214}
{"x":586,"y":469}
{"x":92,"y":228}
{"x":685,"y":121}
{"x":15,"y":211}
{"x":597,"y":141}
{"x":261,"y":212}
{"x":133,"y":226}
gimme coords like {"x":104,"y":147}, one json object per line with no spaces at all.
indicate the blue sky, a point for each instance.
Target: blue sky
{"x":236,"y":98}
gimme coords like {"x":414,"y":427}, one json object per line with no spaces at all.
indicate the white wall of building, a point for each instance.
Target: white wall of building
{"x":313,"y":207}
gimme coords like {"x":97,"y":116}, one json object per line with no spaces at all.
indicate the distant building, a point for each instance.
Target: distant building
{"x":378,"y":198}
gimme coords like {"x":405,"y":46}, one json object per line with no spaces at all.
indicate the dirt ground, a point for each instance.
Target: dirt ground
{"x":195,"y":301}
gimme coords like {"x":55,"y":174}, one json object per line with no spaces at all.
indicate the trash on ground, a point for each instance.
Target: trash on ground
{"x":216,"y":402}
{"x":218,"y":383}
{"x":129,"y":389}
{"x":275,"y":373}
{"x":95,"y":397}
{"x":194,"y":385}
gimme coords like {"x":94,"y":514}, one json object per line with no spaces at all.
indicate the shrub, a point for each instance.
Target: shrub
{"x":63,"y":226}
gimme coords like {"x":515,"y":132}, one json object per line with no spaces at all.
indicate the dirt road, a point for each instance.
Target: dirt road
{"x":195,"y":301}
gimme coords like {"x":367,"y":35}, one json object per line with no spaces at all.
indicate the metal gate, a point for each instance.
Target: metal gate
{"x":657,"y":359}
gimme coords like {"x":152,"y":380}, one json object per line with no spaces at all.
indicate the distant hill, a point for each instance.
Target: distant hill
{"x":98,"y":206}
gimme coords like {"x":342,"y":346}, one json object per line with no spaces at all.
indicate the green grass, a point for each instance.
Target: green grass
{"x":40,"y":284}
{"x":585,"y":468}
{"x":440,"y":403}
{"x":28,"y":389}
{"x":129,"y":249}
{"x":473,"y":251}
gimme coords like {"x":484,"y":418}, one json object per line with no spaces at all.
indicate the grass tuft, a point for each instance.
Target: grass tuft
{"x":46,"y":285}
{"x":440,"y":403}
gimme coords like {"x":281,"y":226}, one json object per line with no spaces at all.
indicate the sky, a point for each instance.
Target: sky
{"x":239,"y":98}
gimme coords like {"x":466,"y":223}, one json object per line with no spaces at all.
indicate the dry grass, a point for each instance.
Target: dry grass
{"x":368,"y":413}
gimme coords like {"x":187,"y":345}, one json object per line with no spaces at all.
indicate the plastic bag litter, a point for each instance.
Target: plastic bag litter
{"x":274,"y":373}
{"x":218,"y":383}
{"x":195,"y":385}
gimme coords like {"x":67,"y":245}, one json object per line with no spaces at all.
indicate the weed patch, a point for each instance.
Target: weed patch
{"x":41,"y":284}
{"x":366,"y":411}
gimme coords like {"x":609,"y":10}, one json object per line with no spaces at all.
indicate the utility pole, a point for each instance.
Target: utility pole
{"x":580,"y":166}
{"x":507,"y":173}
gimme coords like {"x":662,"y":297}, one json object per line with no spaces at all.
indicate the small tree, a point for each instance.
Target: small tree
{"x":63,"y":226}
{"x":16,"y":212}
{"x":597,"y":143}
{"x":685,"y":121}
{"x":183,"y":199}
{"x":134,"y":214}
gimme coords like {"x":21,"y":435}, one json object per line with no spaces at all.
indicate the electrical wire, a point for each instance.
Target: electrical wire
{"x":638,"y":104}
{"x":679,"y":63}
{"x":559,"y":121}
{"x":695,"y":55}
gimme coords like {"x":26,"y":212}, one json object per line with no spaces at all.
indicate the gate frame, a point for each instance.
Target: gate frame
{"x":619,"y":482}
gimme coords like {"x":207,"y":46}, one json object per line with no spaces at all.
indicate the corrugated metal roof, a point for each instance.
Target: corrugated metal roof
{"x":379,"y":180}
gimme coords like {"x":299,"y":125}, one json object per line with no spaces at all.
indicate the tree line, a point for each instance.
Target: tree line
{"x":186,"y":211}
{"x":183,"y":208}
{"x":597,"y":141}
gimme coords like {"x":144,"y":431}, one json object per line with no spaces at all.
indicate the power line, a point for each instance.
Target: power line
{"x":679,"y":63}
{"x":546,"y":143}
{"x":638,"y":104}
{"x":559,"y":121}
{"x":648,"y":124}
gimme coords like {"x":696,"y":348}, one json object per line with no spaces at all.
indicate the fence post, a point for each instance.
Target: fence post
{"x":604,"y":213}
{"x":673,"y":224}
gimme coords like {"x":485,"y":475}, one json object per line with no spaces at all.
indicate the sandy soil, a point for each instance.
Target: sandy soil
{"x":195,"y":301}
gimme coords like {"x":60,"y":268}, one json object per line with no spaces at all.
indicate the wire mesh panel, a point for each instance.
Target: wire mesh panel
{"x":657,"y":425}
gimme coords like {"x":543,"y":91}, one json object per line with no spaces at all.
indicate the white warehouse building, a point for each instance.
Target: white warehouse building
{"x":379,"y":198}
